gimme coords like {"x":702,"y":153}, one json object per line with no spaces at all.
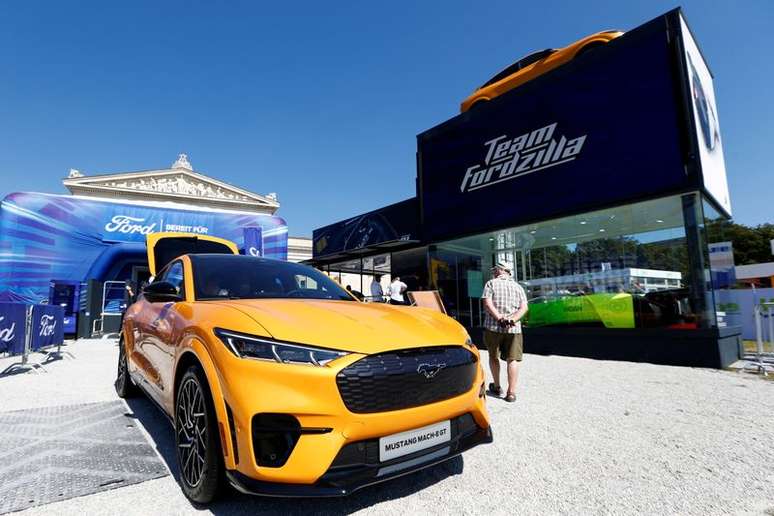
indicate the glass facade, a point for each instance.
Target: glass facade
{"x":357,"y":274}
{"x":642,"y":265}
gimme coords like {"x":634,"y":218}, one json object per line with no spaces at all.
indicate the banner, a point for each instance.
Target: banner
{"x":705,"y":114}
{"x":12,"y":319}
{"x":739,"y":304}
{"x":253,"y":241}
{"x":70,"y":239}
{"x":47,"y":326}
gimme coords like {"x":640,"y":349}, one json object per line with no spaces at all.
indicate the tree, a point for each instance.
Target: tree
{"x":751,"y":244}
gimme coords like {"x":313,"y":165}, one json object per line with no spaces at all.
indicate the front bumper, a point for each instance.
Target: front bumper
{"x":357,"y":466}
{"x":311,"y":396}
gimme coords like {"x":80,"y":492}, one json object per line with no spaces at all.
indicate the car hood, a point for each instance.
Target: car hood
{"x":349,"y":325}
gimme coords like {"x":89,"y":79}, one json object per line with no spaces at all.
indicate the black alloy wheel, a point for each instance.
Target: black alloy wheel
{"x":199,"y":456}
{"x":125,"y":387}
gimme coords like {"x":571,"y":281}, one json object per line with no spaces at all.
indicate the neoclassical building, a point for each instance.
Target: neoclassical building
{"x":178,"y":184}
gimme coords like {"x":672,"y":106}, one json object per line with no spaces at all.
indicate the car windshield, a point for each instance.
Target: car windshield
{"x":518,"y":65}
{"x":223,"y":276}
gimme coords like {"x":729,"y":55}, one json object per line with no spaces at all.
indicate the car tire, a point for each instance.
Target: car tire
{"x":197,"y":442}
{"x":125,"y":387}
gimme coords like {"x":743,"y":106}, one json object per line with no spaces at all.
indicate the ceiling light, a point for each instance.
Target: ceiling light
{"x":659,"y":221}
{"x":602,"y":230}
{"x":583,"y":222}
{"x":553,"y":238}
{"x":533,"y":232}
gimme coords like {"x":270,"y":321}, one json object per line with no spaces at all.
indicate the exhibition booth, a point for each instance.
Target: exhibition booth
{"x":78,"y":252}
{"x":602,"y":183}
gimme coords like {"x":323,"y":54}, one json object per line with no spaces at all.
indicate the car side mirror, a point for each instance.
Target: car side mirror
{"x":161,"y":292}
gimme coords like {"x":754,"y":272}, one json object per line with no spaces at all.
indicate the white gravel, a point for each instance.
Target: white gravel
{"x":584,"y":437}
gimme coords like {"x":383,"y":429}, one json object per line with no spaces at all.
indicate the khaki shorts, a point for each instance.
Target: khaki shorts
{"x":509,"y":345}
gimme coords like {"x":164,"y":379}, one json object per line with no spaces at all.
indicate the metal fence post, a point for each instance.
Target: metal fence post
{"x":768,"y":307}
{"x":27,"y":334}
{"x":758,"y":330}
{"x":760,"y":365}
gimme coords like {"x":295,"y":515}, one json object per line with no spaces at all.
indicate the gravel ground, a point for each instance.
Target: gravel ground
{"x":584,"y":437}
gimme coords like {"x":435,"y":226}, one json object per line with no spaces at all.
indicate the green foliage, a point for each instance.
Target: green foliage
{"x":751,"y":244}
{"x":622,"y":252}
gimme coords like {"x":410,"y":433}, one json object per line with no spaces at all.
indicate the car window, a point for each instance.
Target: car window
{"x":535,"y":57}
{"x":174,"y":275}
{"x":248,"y":277}
{"x":518,"y":65}
{"x":503,"y":74}
{"x":304,"y":281}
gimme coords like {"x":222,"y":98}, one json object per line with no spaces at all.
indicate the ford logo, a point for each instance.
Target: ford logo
{"x":430,"y":370}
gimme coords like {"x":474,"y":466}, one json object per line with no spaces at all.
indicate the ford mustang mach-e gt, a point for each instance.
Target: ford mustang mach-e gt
{"x":281,"y":383}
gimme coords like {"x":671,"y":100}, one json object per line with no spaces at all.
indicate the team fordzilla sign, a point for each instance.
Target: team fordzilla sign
{"x":508,"y":158}
{"x":602,"y":130}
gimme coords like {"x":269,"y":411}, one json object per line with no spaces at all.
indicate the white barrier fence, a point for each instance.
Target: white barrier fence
{"x":739,"y":307}
{"x":763,"y":314}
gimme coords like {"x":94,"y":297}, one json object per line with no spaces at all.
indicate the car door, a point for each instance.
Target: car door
{"x":161,"y":322}
{"x":163,"y":325}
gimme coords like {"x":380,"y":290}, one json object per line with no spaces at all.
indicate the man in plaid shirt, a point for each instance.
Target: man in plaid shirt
{"x":505,"y":303}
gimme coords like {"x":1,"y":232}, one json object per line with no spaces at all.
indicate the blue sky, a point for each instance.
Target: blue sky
{"x":318,"y":102}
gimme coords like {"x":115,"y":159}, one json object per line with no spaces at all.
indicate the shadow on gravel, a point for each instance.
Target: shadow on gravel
{"x":159,"y":428}
{"x":232,"y":502}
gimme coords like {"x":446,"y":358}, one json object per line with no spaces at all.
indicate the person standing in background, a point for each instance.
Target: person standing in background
{"x":377,"y":293}
{"x":505,"y":303}
{"x":397,"y":288}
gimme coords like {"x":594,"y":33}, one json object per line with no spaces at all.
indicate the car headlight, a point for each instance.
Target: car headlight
{"x":261,"y":348}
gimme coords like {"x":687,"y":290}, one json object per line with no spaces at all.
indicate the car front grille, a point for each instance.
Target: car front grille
{"x":407,"y":378}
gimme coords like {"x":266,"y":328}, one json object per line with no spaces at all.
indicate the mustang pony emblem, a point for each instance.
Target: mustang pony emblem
{"x":430,"y":370}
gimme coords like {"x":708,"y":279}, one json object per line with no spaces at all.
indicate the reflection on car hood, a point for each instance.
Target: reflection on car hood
{"x":349,"y":325}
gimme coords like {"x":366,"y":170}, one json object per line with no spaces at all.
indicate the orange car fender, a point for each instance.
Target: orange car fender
{"x":193,"y":344}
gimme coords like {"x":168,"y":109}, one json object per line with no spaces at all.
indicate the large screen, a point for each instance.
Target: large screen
{"x":395,"y":223}
{"x":707,"y":127}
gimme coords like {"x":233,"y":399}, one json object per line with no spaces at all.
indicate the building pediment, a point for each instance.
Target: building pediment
{"x":177,"y":184}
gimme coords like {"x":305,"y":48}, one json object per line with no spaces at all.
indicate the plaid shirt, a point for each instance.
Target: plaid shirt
{"x":507,"y":297}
